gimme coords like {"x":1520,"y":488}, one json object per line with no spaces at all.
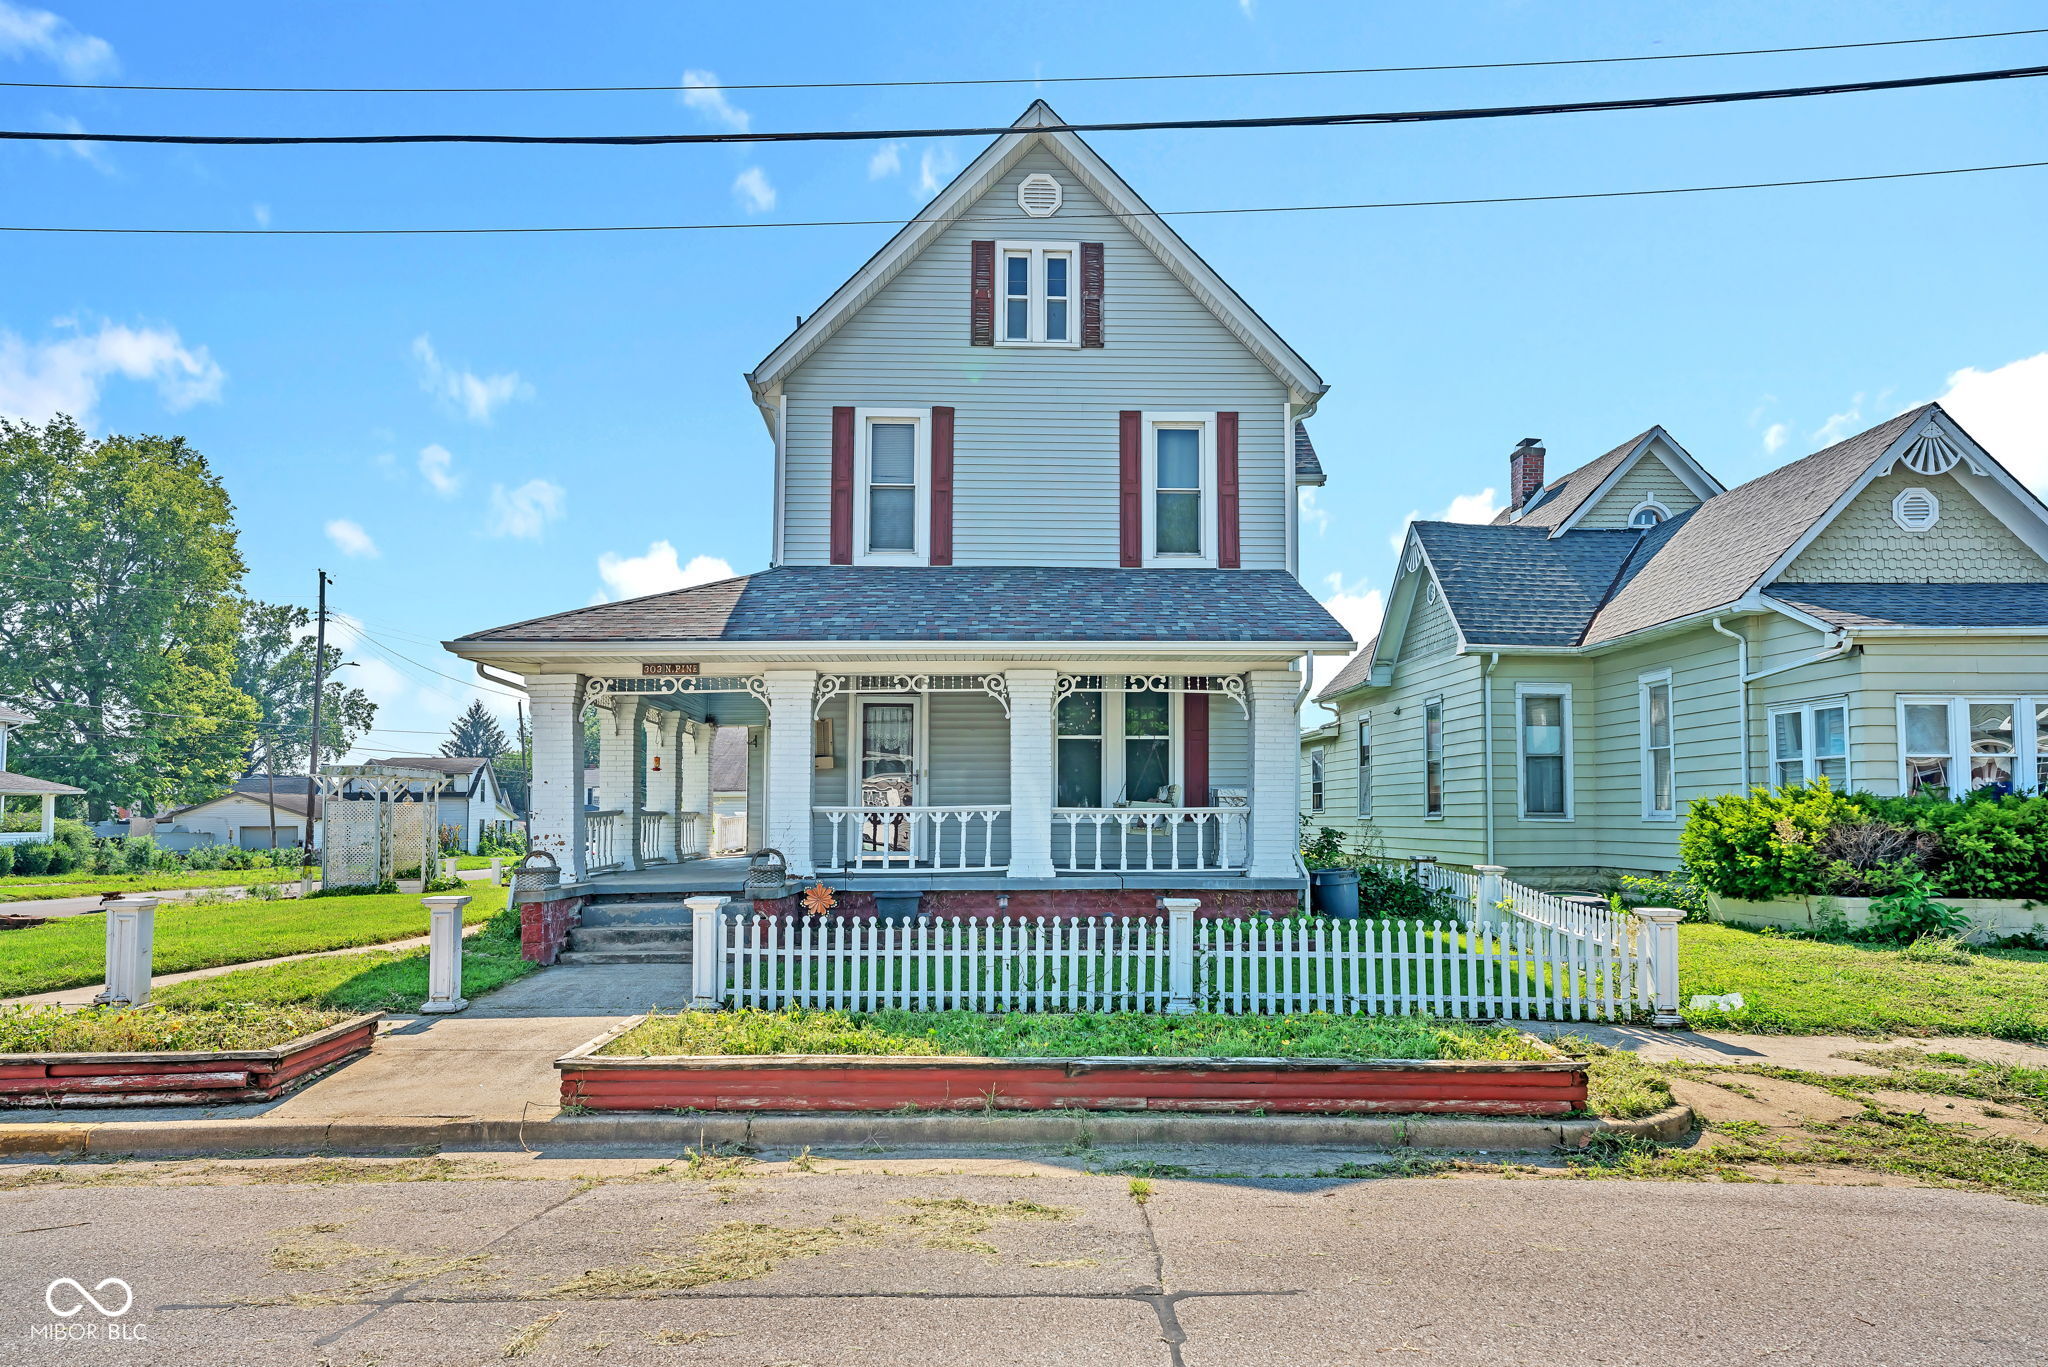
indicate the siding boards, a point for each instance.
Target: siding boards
{"x":1649,"y":477}
{"x":1863,"y":545}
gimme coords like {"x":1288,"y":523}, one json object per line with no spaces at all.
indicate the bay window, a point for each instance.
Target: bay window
{"x":892,"y":505}
{"x":1038,"y":293}
{"x":1958,"y":745}
{"x":1659,"y":754}
{"x":1115,"y":745}
{"x":1544,"y":722}
{"x":1180,"y":489}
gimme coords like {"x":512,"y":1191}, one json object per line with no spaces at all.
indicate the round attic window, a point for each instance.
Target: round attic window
{"x":1916,"y":510}
{"x":1040,"y":196}
{"x":1648,"y":513}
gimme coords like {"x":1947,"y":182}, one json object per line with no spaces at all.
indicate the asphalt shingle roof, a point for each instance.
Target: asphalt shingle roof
{"x":954,"y":603}
{"x":1356,"y":671}
{"x":1517,"y":586}
{"x":1564,"y":495}
{"x":1920,"y":605}
{"x":1307,"y":468}
{"x":17,"y":785}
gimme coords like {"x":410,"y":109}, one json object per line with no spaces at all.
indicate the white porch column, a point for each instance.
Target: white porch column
{"x":622,"y":772}
{"x":555,"y":802}
{"x":1031,"y":770}
{"x":693,"y":778}
{"x":1276,"y":773}
{"x":790,"y":693}
{"x":49,"y":817}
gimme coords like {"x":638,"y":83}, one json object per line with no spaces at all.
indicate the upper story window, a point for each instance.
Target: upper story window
{"x":1036,"y":280}
{"x":1180,"y":489}
{"x":893,"y":468}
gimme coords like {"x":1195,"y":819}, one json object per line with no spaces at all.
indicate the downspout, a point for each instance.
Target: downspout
{"x":1486,"y":743}
{"x":1308,"y":664}
{"x":1741,"y":695}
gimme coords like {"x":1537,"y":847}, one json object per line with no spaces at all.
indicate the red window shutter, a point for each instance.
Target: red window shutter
{"x":842,"y":486}
{"x":1091,"y":294}
{"x":942,"y":486}
{"x":1194,"y":759}
{"x":1227,"y":554}
{"x":981,"y":276}
{"x":1131,"y":490}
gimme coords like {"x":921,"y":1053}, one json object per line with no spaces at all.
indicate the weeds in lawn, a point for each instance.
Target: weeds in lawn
{"x":732,"y":1252}
{"x":1141,"y":1189}
{"x":529,"y":1338}
{"x":1618,"y":1084}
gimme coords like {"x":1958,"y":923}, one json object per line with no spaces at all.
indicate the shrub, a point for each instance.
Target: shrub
{"x":1675,"y":889}
{"x":6,"y":860}
{"x":1766,"y":845}
{"x":34,"y":858}
{"x":1911,"y":912}
{"x":1384,"y":892}
{"x":1324,"y":847}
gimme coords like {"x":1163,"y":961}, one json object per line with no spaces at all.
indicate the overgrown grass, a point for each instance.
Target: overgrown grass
{"x":104,"y":1029}
{"x":387,"y":980}
{"x":1619,"y":1085}
{"x":71,"y":951}
{"x":43,"y":887}
{"x":1810,"y":987}
{"x":1033,"y":1035}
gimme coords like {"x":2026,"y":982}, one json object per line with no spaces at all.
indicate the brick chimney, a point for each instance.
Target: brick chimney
{"x":1525,"y":471}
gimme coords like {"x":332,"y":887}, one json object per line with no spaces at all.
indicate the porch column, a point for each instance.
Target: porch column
{"x":1276,"y":773}
{"x":49,"y":817}
{"x":1031,"y":770}
{"x":622,"y":772}
{"x":555,"y":798}
{"x":693,"y":782}
{"x":790,"y":693}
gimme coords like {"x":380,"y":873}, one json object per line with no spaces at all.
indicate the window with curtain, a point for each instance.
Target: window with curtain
{"x":1365,"y":766}
{"x":892,"y":486}
{"x":1660,"y":796}
{"x":1543,"y":758}
{"x":1433,"y":757}
{"x":1811,"y":741}
{"x":1177,"y":490}
{"x":1992,"y":744}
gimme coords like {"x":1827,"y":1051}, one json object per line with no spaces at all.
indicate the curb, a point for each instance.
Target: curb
{"x":672,"y":1133}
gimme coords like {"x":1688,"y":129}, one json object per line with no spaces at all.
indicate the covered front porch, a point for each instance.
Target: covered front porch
{"x":898,"y":775}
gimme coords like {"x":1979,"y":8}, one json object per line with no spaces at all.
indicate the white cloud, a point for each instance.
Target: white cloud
{"x":935,"y":166}
{"x":1840,"y":425}
{"x":1480,"y":507}
{"x":39,"y":380}
{"x":635,"y":576}
{"x":1774,"y":437}
{"x":2006,"y":410}
{"x":38,"y":33}
{"x":262,"y":214}
{"x":436,"y":467}
{"x":751,"y":188}
{"x":887,"y":161}
{"x":1250,"y":7}
{"x":1359,"y":609}
{"x":350,"y":538}
{"x":524,"y":512}
{"x":1313,"y":513}
{"x":712,"y":104}
{"x":87,"y":152}
{"x":478,"y":396}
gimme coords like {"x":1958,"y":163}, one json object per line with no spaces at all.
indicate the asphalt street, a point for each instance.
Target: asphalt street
{"x":887,"y":1260}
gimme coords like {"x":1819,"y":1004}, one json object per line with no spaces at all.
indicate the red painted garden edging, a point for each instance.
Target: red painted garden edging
{"x":197,"y":1077}
{"x":819,"y":1082}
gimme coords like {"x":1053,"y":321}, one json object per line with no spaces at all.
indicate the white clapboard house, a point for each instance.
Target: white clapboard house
{"x":1030,"y":634}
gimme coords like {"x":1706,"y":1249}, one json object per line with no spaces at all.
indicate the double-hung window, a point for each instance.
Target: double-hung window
{"x":1810,"y":741}
{"x":1038,"y":293}
{"x":1659,"y":755}
{"x":1316,"y":779}
{"x":1545,"y":720}
{"x":1114,"y":745}
{"x":1365,"y":765}
{"x":1180,"y":489}
{"x":892,"y":505}
{"x":1958,"y":745}
{"x":1433,"y":757}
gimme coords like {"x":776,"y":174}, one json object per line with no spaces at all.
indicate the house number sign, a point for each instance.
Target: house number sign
{"x":666,"y":668}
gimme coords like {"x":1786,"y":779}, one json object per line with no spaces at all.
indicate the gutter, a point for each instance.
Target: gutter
{"x":1841,"y":644}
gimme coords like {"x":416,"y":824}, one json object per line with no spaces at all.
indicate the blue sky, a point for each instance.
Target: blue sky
{"x":467,"y":431}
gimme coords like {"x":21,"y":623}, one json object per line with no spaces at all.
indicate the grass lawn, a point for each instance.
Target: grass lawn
{"x":71,"y":951}
{"x":1024,"y":1035}
{"x":40,"y":887}
{"x":380,"y":980}
{"x":1808,"y":987}
{"x":117,"y":1030}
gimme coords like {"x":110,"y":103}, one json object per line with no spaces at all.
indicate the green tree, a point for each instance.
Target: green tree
{"x":274,"y":665}
{"x":515,"y":768}
{"x":475,"y":733}
{"x":119,"y":616}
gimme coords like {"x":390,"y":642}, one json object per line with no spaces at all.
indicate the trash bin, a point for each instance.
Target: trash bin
{"x":1334,"y":892}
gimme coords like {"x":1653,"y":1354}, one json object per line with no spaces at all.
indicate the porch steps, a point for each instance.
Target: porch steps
{"x":654,"y":912}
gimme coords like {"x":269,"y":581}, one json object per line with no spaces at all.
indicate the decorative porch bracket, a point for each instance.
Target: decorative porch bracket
{"x":1230,"y":686}
{"x":598,"y":689}
{"x":831,"y":686}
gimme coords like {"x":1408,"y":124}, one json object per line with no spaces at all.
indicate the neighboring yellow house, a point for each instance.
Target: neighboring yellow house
{"x":1548,"y":692}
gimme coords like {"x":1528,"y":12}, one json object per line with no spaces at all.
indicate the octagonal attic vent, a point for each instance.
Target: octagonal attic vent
{"x":1916,"y":510}
{"x":1040,"y":195}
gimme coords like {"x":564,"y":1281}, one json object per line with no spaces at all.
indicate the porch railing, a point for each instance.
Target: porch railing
{"x":1149,"y":839}
{"x":656,"y":845}
{"x":601,"y":841}
{"x":690,"y":832}
{"x":963,"y":839}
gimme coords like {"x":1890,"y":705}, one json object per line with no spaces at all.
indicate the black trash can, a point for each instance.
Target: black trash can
{"x":1334,"y":893}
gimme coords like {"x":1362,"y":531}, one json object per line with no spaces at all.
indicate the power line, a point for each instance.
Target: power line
{"x":466,"y":683}
{"x":1128,"y":126}
{"x":1065,"y":216}
{"x":1002,"y":80}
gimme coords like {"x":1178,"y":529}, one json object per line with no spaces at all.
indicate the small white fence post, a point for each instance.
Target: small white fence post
{"x":1661,"y":932}
{"x":497,"y":872}
{"x":707,"y":952}
{"x":1180,"y":954}
{"x":131,"y":943}
{"x":1488,"y":893}
{"x":444,"y":955}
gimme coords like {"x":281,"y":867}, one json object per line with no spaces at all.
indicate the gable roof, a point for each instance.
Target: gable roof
{"x":1009,"y":603}
{"x":1356,"y":670}
{"x":1037,"y":127}
{"x":14,"y":716}
{"x":1521,"y":586}
{"x":1571,"y":495}
{"x":295,"y":803}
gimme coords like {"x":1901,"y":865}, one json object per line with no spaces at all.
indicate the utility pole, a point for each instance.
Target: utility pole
{"x":270,"y":777}
{"x":313,"y":748}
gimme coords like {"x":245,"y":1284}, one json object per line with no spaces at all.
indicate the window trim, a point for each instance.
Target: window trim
{"x":1645,"y":763}
{"x":1112,"y":739}
{"x":1037,"y":251}
{"x":1364,"y":763}
{"x":1436,"y":703}
{"x":1663,"y":514}
{"x":2029,"y":740}
{"x":1318,"y":778}
{"x":1809,"y":760}
{"x":921,"y":515}
{"x":1149,"y":424}
{"x":1563,"y":692}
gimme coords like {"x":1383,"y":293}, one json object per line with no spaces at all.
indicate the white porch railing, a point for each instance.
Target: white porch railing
{"x":1148,"y":839}
{"x":601,"y":841}
{"x":655,"y":844}
{"x":964,"y":839}
{"x":690,"y":835}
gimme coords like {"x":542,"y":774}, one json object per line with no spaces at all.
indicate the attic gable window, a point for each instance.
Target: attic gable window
{"x":1648,"y":513}
{"x":1037,"y":285}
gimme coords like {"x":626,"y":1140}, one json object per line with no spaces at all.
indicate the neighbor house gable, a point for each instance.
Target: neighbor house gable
{"x":1657,"y":475}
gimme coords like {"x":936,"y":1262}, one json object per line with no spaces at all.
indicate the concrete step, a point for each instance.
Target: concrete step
{"x":659,"y":913}
{"x":629,"y":937}
{"x":623,"y":956}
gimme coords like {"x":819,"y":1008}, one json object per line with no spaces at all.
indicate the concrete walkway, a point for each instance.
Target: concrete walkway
{"x":1810,"y":1053}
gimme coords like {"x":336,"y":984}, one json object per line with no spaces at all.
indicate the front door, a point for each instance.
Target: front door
{"x":891,"y":775}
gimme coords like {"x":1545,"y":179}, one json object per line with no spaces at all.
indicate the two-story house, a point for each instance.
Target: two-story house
{"x":1031,"y":627}
{"x":1549,"y":692}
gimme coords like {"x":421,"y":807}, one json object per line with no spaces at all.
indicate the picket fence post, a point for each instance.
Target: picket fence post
{"x":1661,"y":931}
{"x":444,"y":955}
{"x":707,"y":952}
{"x":1180,"y":954}
{"x":1489,"y":890}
